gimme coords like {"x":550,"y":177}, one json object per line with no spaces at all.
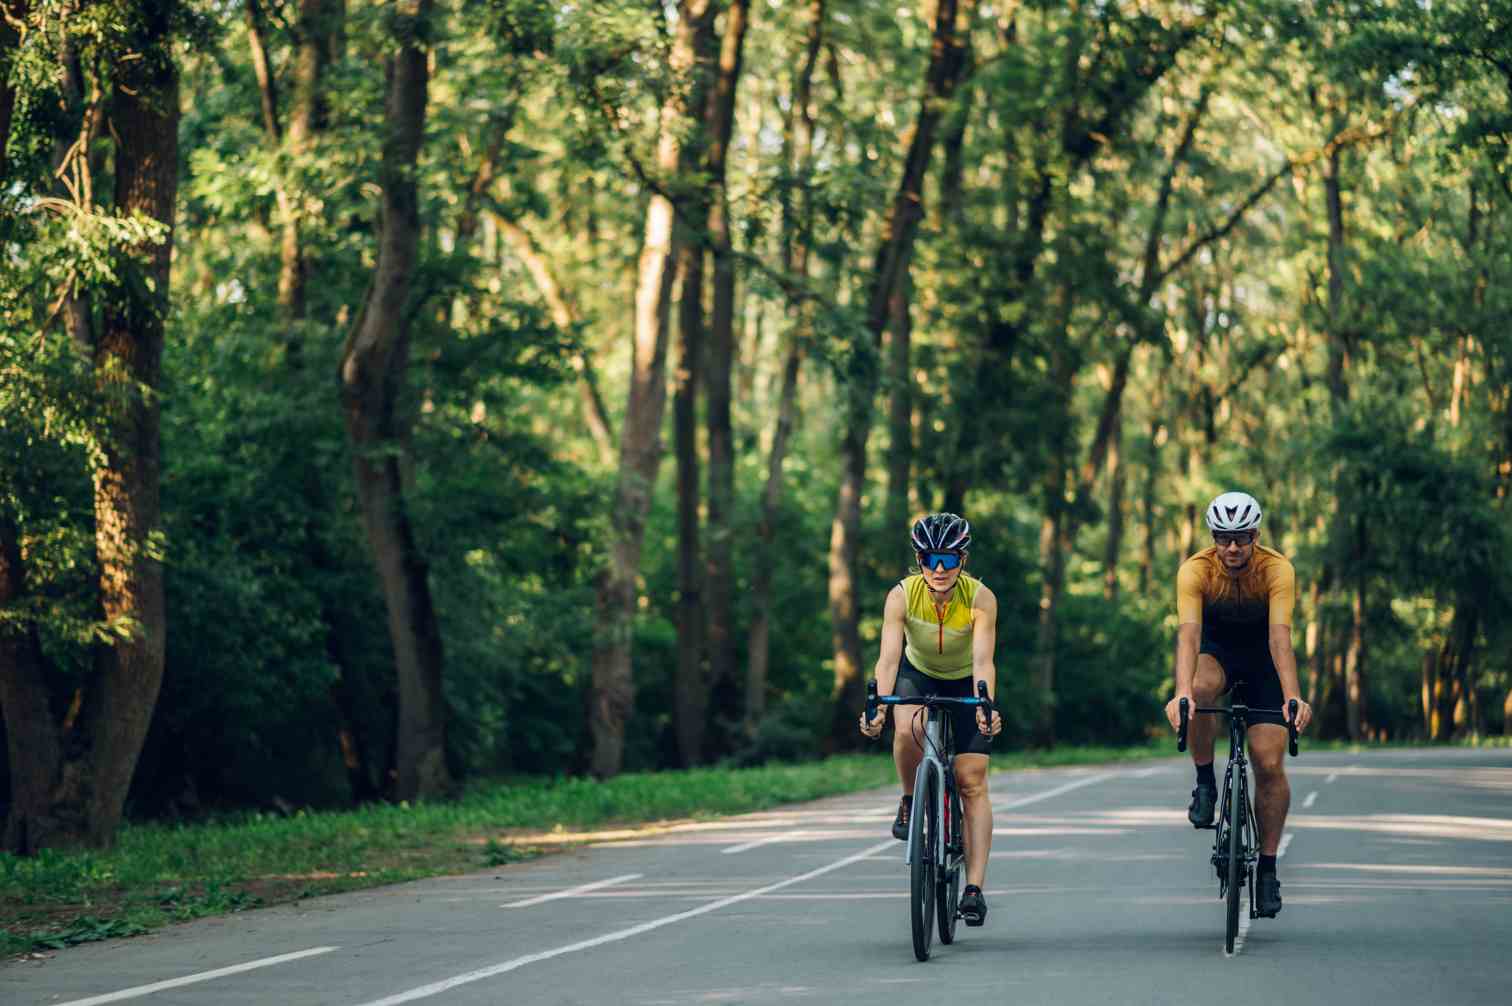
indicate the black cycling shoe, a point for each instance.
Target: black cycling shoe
{"x":1267,"y":894}
{"x":972,"y":907}
{"x":900,"y":823}
{"x":1204,"y":800}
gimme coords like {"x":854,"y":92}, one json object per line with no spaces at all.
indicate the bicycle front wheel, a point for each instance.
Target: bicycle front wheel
{"x":1236,"y":851}
{"x":923,"y":839}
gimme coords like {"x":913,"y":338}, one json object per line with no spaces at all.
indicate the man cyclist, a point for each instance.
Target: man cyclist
{"x":1234,"y":609}
{"x":939,"y":628}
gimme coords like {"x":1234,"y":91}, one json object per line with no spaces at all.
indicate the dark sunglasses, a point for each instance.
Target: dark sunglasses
{"x":1225,"y":540}
{"x":939,"y":560}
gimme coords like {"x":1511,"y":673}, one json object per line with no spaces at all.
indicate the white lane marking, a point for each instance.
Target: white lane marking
{"x":446,"y":984}
{"x":1244,"y":926}
{"x":1312,"y":798}
{"x":1057,"y":791}
{"x":1331,"y":777}
{"x":1286,"y":838}
{"x":1145,"y":773}
{"x":582,"y":888}
{"x":791,"y":836}
{"x":203,"y":976}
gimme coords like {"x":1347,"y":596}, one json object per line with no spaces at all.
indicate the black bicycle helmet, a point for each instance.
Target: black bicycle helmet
{"x":941,"y":532}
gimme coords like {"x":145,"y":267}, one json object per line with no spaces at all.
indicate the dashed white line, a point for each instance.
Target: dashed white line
{"x":1285,"y":841}
{"x":1057,"y":791}
{"x":580,"y":889}
{"x":446,"y":984}
{"x":1331,"y":777}
{"x":467,"y":978}
{"x":1244,"y":927}
{"x":1312,"y":798}
{"x":203,"y":976}
{"x":791,"y":836}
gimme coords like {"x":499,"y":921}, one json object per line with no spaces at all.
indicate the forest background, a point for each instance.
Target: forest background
{"x":341,"y":342}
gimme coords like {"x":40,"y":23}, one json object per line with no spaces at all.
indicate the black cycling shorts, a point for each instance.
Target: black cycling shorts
{"x":1249,"y":674}
{"x":912,"y":681}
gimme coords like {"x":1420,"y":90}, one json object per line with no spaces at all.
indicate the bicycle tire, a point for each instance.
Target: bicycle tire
{"x":948,"y":886}
{"x":923,"y":838}
{"x":1235,"y":851}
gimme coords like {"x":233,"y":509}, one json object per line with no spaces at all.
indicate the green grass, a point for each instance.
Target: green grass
{"x":163,"y":873}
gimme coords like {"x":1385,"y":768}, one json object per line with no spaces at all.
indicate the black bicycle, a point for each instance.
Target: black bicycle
{"x":1236,"y":844}
{"x":936,"y":851}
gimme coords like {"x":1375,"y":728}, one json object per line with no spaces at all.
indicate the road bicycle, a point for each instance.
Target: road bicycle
{"x":936,"y":853}
{"x":1236,"y":843}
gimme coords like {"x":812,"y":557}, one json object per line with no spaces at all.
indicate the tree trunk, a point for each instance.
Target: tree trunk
{"x":721,"y":565}
{"x":1354,"y":661}
{"x":10,"y":40}
{"x":795,"y":258}
{"x":1054,"y":537}
{"x":1117,"y":477}
{"x":690,"y":686}
{"x":1147,"y":505}
{"x":613,"y":697}
{"x":945,"y":63}
{"x":374,"y":367}
{"x":128,"y":361}
{"x":34,"y":738}
{"x":900,"y":412}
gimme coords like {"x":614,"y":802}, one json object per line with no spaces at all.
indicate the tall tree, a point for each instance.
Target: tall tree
{"x":374,"y":366}
{"x":796,"y":238}
{"x":71,"y":774}
{"x":720,"y":581}
{"x":613,"y":696}
{"x":943,"y":73}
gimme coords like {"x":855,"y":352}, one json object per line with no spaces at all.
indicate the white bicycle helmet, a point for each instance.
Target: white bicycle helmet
{"x":1233,"y":512}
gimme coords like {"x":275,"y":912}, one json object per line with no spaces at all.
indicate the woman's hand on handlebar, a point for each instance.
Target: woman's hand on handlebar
{"x":997,"y":722}
{"x":874,"y":728}
{"x":1173,"y":710}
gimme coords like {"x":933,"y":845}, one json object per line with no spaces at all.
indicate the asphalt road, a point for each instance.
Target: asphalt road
{"x":1396,"y":874}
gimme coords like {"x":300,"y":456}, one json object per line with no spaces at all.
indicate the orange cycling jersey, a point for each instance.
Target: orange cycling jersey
{"x":1259,"y":595}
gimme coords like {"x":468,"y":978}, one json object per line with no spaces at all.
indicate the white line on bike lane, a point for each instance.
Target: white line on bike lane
{"x":203,"y":976}
{"x":571,"y":891}
{"x":792,"y":836}
{"x":467,"y":978}
{"x":436,"y":988}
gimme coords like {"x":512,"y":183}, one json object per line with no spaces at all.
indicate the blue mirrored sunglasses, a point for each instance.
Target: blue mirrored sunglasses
{"x":939,"y":560}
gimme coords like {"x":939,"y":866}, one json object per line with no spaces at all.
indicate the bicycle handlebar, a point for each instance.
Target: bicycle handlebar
{"x":1289,"y":714}
{"x":873,"y":700}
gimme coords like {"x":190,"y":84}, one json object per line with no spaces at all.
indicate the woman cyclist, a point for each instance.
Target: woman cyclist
{"x":938,"y":632}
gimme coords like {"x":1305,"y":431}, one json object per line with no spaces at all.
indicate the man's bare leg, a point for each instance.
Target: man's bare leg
{"x":1267,"y":745}
{"x":1202,"y":729}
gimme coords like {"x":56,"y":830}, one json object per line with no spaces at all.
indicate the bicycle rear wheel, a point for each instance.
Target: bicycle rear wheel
{"x":1235,"y":852}
{"x":923,"y":839}
{"x":948,"y":887}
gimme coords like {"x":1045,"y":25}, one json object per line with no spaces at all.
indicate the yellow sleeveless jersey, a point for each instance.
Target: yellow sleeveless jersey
{"x":938,"y":640}
{"x":1262,"y":594}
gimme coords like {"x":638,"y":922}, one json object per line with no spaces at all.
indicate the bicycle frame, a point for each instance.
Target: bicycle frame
{"x":1245,"y":846}
{"x":938,"y":820}
{"x":938,"y":737}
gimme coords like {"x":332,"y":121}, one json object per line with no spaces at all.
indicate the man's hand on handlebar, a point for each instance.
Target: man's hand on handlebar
{"x":1304,"y":713}
{"x":1173,"y":710}
{"x":874,"y":728}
